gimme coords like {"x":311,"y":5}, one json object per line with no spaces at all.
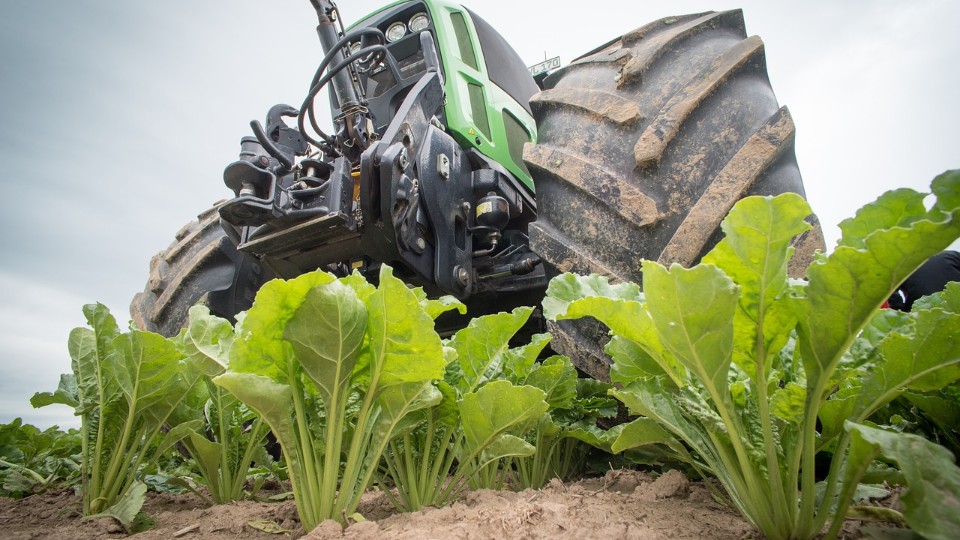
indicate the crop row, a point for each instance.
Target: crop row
{"x":729,"y":370}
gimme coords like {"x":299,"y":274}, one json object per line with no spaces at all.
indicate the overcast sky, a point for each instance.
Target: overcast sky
{"x":117,"y":119}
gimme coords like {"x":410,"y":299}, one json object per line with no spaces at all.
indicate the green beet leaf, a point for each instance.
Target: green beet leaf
{"x":692,"y":311}
{"x":755,"y":253}
{"x":261,"y":348}
{"x":401,"y":351}
{"x":932,"y":498}
{"x":207,"y":340}
{"x":482,"y":347}
{"x":641,"y":432}
{"x":495,"y":415}
{"x":557,"y":377}
{"x":520,"y":361}
{"x":65,"y":394}
{"x":895,"y":208}
{"x":326,"y":333}
{"x":228,"y":437}
{"x":273,"y":401}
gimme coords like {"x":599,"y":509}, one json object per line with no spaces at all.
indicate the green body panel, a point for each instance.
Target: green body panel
{"x":479,"y":113}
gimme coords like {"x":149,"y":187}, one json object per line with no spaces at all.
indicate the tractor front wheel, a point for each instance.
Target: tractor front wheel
{"x":201,"y":265}
{"x":643,"y":147}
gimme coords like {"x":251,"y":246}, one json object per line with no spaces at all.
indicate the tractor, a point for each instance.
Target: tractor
{"x":472,"y":176}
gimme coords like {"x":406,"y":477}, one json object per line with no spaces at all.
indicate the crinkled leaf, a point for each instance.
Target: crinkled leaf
{"x":65,"y":394}
{"x":692,"y":310}
{"x":947,"y":188}
{"x":435,"y":307}
{"x":207,"y":340}
{"x":326,"y":333}
{"x":147,"y":368}
{"x":403,"y":344}
{"x":496,"y":414}
{"x":592,"y":401}
{"x":481,"y":346}
{"x":567,"y":288}
{"x":557,"y":377}
{"x":619,"y":307}
{"x":928,"y":359}
{"x":625,"y":318}
{"x":260,"y":348}
{"x":787,"y":403}
{"x":647,"y":397}
{"x":932,"y":499}
{"x":519,"y":361}
{"x":896,"y":208}
{"x":89,"y":349}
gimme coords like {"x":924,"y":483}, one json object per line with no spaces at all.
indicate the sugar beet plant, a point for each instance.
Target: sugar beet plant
{"x":740,"y":363}
{"x":229,"y":437}
{"x":32,"y":460}
{"x":480,"y":420}
{"x":124,"y":387}
{"x":504,"y":418}
{"x":336,"y":367}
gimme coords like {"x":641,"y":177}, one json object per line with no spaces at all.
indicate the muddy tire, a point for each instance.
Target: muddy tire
{"x":201,"y":265}
{"x":643,"y":147}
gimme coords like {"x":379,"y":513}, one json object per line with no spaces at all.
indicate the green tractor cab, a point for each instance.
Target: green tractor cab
{"x":487,"y":86}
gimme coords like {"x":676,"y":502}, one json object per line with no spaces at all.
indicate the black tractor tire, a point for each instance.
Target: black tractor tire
{"x":644,"y":145}
{"x":202,"y":265}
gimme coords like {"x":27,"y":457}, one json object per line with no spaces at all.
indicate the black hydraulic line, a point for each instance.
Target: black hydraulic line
{"x":347,"y":38}
{"x":332,"y":72}
{"x":307,"y":108}
{"x":269,"y":145}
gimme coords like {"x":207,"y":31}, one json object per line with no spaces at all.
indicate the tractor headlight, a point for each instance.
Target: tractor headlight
{"x":396,"y":31}
{"x":418,"y":22}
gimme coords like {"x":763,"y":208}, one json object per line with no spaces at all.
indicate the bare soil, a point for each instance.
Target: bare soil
{"x":622,"y":504}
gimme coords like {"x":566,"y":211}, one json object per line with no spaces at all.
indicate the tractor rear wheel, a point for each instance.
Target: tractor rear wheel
{"x":201,"y":266}
{"x":643,"y":147}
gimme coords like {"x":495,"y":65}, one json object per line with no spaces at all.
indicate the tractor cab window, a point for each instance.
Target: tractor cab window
{"x":504,"y":65}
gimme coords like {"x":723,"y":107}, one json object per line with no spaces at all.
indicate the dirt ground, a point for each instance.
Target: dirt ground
{"x":622,"y":504}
